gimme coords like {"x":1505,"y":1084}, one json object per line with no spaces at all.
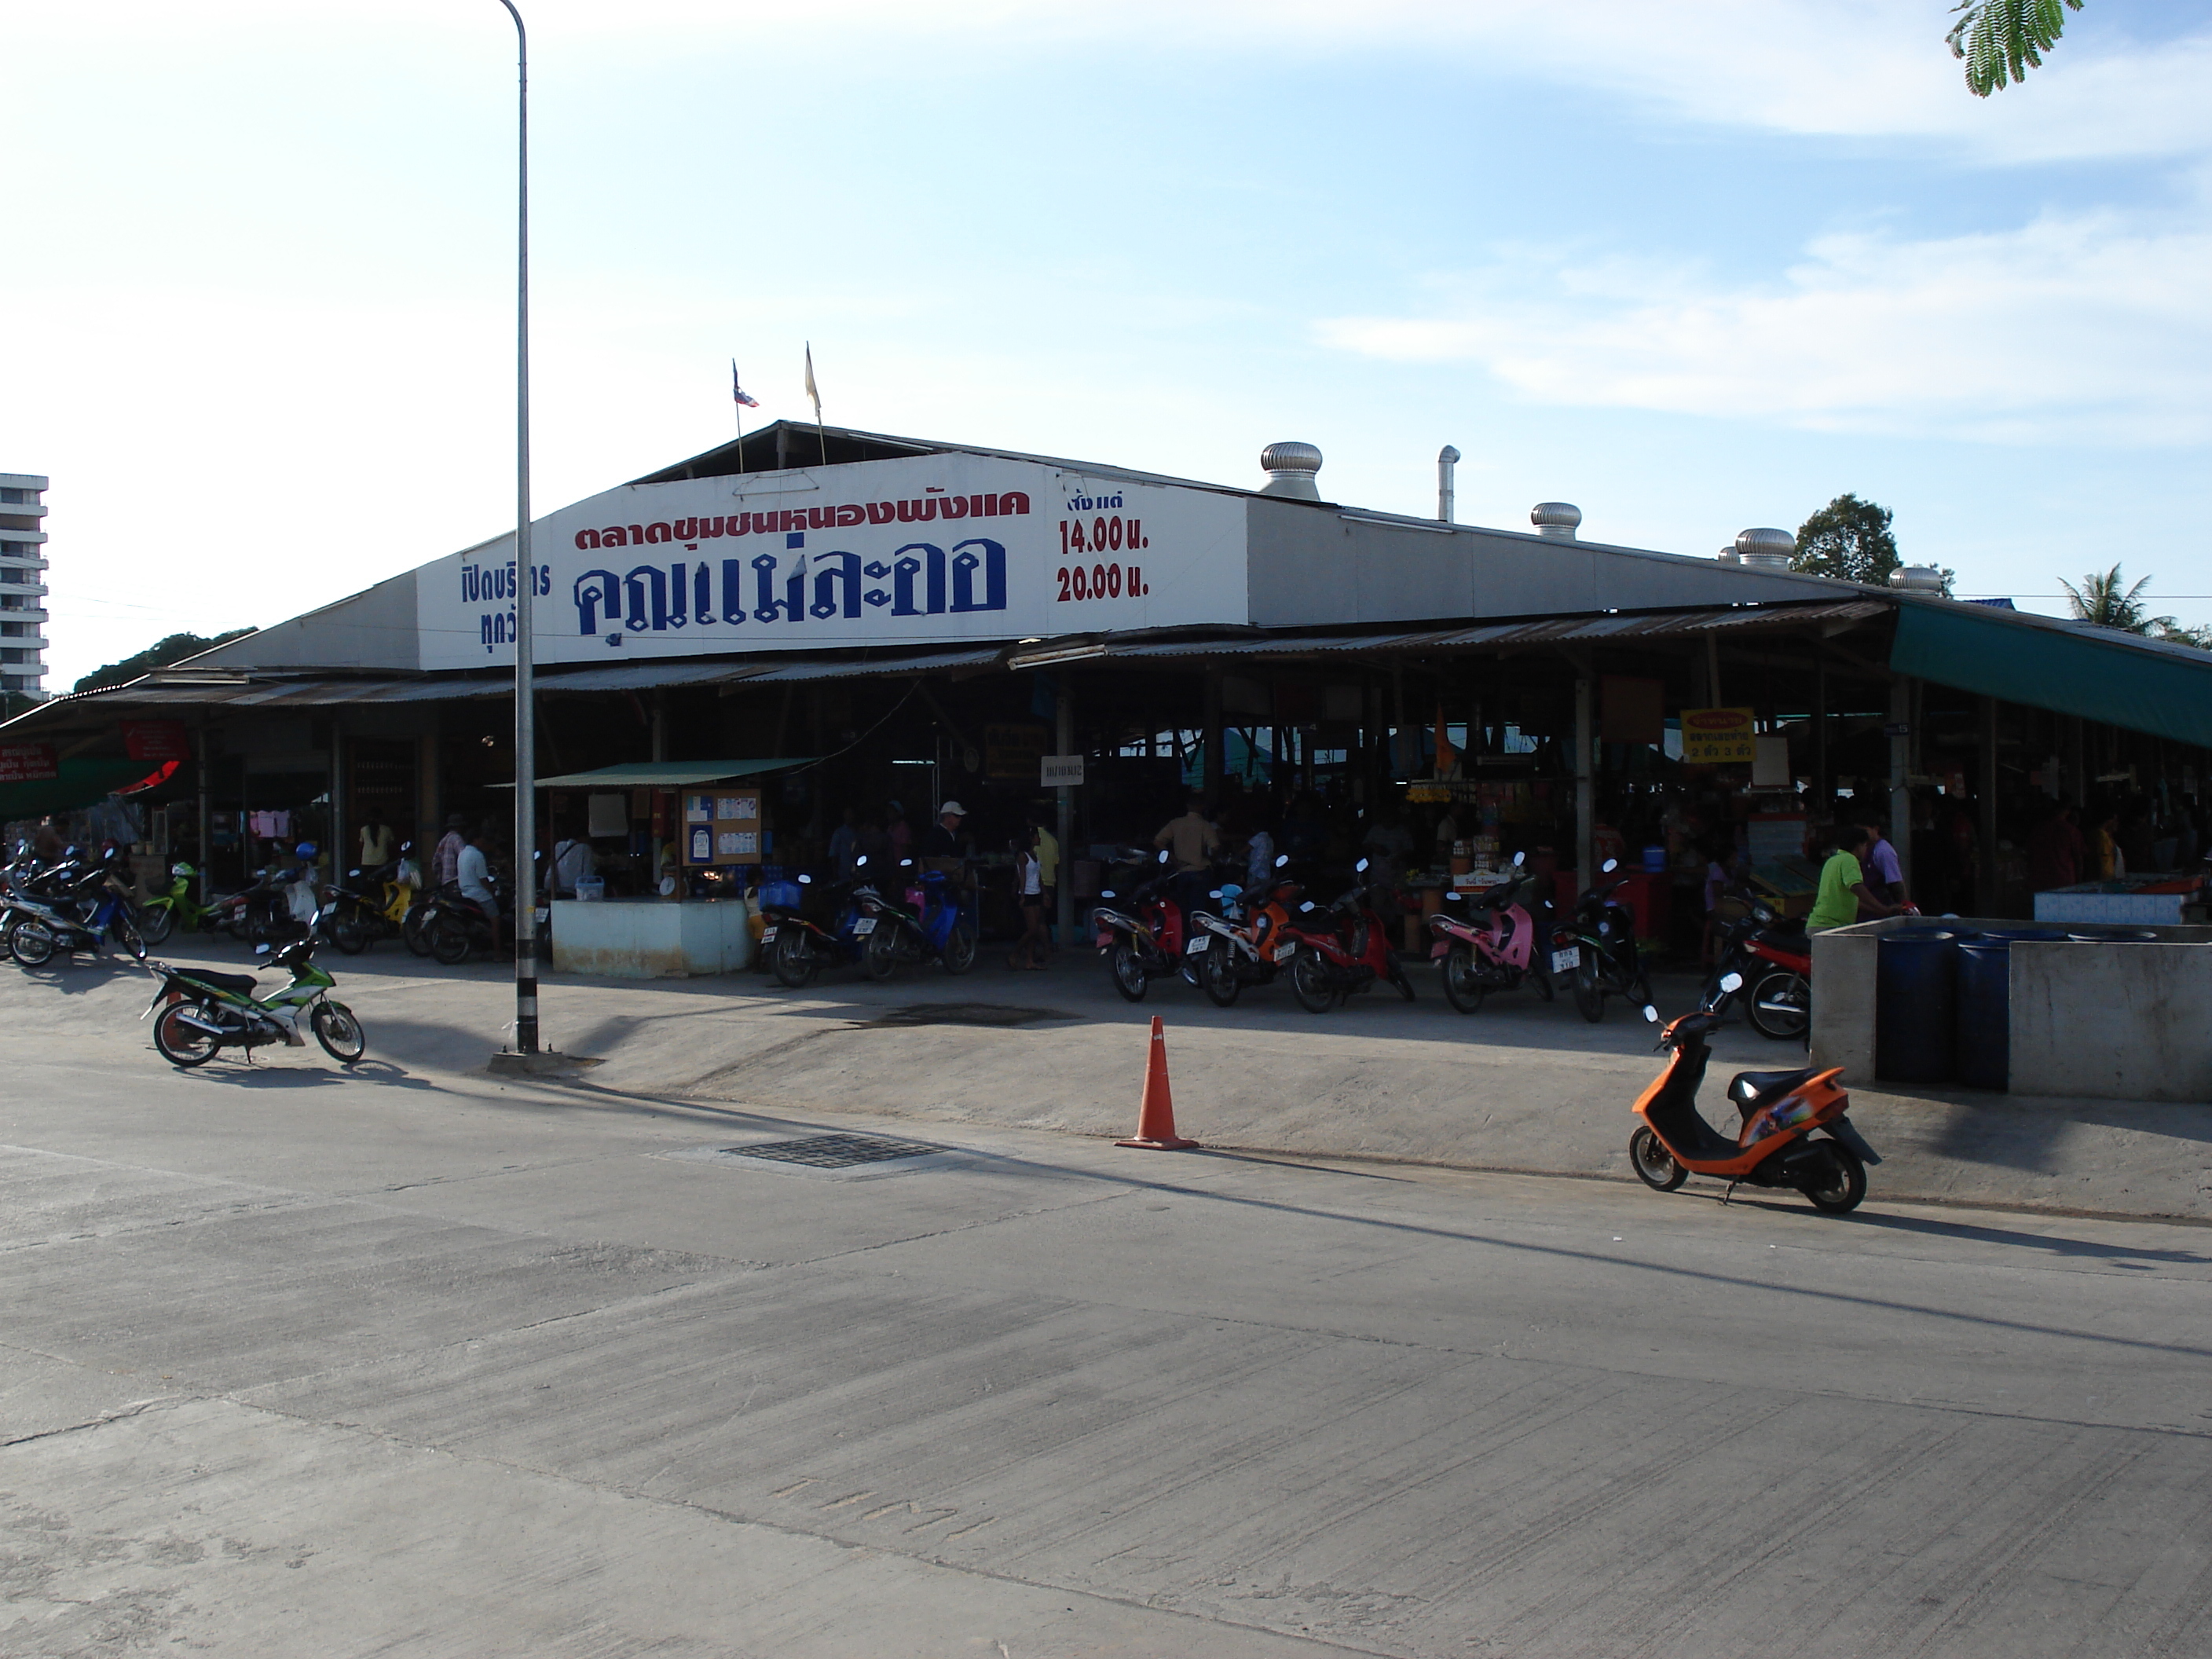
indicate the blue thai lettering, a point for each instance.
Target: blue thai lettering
{"x":993,"y":563}
{"x":905,"y":567}
{"x":733,"y":591}
{"x":834,"y":572}
{"x":598,"y":598}
{"x":793,"y":606}
{"x":703,"y":593}
{"x":647,"y":582}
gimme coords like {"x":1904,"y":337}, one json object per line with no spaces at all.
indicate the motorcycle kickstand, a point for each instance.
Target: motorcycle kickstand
{"x":1729,"y":1196}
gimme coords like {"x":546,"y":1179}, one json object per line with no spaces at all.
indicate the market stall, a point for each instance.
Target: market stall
{"x":673,"y":846}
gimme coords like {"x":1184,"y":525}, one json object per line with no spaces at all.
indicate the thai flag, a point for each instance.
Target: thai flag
{"x":744,"y":400}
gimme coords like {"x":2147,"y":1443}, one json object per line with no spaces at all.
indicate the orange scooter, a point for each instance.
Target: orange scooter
{"x":1775,"y":1146}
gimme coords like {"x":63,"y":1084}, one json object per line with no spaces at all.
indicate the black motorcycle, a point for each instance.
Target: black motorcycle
{"x":1607,"y":964}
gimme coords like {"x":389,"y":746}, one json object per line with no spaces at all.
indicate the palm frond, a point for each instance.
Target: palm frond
{"x":2000,"y":40}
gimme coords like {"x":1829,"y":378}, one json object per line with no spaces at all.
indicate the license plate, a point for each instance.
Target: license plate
{"x":1199,"y":944}
{"x":767,"y":936}
{"x":1284,"y":952}
{"x":1565,"y":962}
{"x":863,"y":926}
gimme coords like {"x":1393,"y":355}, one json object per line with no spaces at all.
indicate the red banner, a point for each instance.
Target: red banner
{"x":156,"y":740}
{"x":27,"y":763}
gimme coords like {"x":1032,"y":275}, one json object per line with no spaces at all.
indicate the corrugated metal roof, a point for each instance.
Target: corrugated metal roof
{"x":664,"y":774}
{"x":1638,"y":625}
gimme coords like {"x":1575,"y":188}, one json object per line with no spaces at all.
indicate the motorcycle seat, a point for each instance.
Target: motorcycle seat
{"x":1753,"y":1090}
{"x":221,"y":982}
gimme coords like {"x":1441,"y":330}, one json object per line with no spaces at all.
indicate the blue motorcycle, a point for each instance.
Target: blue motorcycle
{"x":40,"y":929}
{"x":938,"y":929}
{"x":795,"y":948}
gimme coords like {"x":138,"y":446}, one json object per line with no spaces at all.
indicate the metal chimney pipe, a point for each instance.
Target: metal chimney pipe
{"x":1447,"y":458}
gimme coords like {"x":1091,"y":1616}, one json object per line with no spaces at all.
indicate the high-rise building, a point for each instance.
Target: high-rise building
{"x":22,"y":583}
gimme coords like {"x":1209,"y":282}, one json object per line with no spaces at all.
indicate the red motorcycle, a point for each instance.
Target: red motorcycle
{"x":1505,"y":939}
{"x":1341,"y":951}
{"x":1144,"y":936}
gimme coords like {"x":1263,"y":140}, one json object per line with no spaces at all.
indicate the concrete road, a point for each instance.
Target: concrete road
{"x":409,"y":1362}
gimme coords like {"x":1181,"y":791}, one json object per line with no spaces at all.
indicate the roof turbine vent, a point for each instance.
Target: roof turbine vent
{"x":1290,"y":468}
{"x":1918,"y":579}
{"x":1766,"y":549}
{"x":1555,"y":520}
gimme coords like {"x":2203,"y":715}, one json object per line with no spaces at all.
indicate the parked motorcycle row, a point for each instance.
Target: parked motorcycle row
{"x":82,"y":905}
{"x":877,"y":921}
{"x":1222,"y":938}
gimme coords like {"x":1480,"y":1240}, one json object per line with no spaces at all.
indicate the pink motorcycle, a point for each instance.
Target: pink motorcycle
{"x":1498,"y":943}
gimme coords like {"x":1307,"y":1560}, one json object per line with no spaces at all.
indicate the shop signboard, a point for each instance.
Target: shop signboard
{"x":27,"y":763}
{"x":1060,"y":772}
{"x":1013,"y":754}
{"x":1719,"y":737}
{"x":156,"y":740}
{"x":722,"y":826}
{"x":933,"y":550}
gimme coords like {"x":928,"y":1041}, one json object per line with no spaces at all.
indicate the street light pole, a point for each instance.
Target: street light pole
{"x":525,"y":584}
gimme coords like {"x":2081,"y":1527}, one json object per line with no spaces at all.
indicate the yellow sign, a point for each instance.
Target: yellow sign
{"x":1718,"y":737}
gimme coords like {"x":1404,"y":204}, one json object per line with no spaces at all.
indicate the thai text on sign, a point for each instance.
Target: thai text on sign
{"x":1719,"y":737}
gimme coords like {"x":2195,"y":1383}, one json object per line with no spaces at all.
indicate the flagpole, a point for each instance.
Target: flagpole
{"x":814,"y":392}
{"x":740,"y":411}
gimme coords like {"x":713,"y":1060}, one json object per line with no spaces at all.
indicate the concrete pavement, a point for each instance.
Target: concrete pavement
{"x":1522,"y":1086}
{"x":413,"y":1361}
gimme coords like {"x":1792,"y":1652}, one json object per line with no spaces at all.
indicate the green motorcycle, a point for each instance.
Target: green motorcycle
{"x":202,"y":1013}
{"x":159,"y":918}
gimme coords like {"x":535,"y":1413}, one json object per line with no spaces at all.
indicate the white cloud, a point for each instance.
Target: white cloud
{"x":2090,"y":327}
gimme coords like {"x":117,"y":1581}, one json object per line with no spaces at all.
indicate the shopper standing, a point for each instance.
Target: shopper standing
{"x":446,"y":858}
{"x":1845,"y":896}
{"x":1029,"y":892}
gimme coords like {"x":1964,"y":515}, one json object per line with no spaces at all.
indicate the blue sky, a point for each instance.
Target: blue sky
{"x":258,"y":306}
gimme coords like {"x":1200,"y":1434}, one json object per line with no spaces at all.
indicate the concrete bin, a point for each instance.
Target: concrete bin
{"x":2102,"y":1021}
{"x":652,"y":938}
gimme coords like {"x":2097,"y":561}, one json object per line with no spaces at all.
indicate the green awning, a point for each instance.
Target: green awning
{"x":666,"y":775}
{"x":82,"y":783}
{"x":2072,"y":668}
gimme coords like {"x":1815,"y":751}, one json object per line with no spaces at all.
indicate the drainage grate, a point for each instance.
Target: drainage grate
{"x":969,"y":1013}
{"x":835,"y":1151}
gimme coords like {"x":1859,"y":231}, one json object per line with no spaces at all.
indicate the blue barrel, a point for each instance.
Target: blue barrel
{"x":1915,"y":1006}
{"x":1984,"y":1007}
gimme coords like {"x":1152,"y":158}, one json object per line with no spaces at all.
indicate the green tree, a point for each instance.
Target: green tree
{"x":2103,"y":599}
{"x":175,"y":648}
{"x":1849,"y":539}
{"x":2000,"y":40}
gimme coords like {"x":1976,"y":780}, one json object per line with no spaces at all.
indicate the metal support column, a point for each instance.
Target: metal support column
{"x":1987,"y":897}
{"x":1585,"y":788}
{"x":1901,"y":762}
{"x":207,"y":843}
{"x":1823,"y":794}
{"x":1212,"y":779}
{"x":1064,"y":734}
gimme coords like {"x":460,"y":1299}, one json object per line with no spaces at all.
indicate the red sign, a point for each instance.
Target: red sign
{"x":156,"y":740}
{"x":27,"y":763}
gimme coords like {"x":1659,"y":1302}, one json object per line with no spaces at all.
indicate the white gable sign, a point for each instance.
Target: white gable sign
{"x":933,"y":550}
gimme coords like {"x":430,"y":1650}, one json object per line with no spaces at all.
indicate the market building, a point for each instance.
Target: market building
{"x":817,"y":620}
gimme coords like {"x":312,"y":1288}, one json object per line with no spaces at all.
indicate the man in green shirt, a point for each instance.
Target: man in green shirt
{"x":1845,"y":894}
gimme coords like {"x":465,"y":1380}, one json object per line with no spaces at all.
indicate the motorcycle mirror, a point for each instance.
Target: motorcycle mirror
{"x":1308,"y":905}
{"x":1281,"y":859}
{"x":806,"y":881}
{"x":1360,"y":868}
{"x":1106,"y":892}
{"x":261,"y":950}
{"x":905,"y":864}
{"x":861,"y":860}
{"x":1163,"y":855}
{"x":1216,"y":893}
{"x":1731,"y":983}
{"x":1520,"y":858}
{"x":1609,"y":866}
{"x":1650,"y":1014}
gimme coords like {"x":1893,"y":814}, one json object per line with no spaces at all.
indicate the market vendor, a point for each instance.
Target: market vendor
{"x":1845,"y":896}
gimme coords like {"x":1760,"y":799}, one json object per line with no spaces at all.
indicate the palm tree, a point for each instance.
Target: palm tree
{"x":2100,"y":599}
{"x":1999,"y":40}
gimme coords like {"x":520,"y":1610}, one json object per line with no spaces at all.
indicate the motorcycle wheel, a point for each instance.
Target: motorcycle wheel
{"x":1462,"y":987}
{"x":126,"y":934}
{"x":960,"y":950}
{"x":1655,"y":1166}
{"x":156,"y":922}
{"x":1781,"y":1005}
{"x":1590,"y":994}
{"x":792,"y":957}
{"x":178,"y":1042}
{"x":448,"y":941}
{"x":33,"y":944}
{"x":349,"y":935}
{"x":339,"y":1033}
{"x":1844,"y":1185}
{"x":1400,"y":978}
{"x":1312,"y":983}
{"x":1128,"y":969}
{"x":411,"y":932}
{"x":879,"y":955}
{"x":1542,"y":976}
{"x":1217,"y":977}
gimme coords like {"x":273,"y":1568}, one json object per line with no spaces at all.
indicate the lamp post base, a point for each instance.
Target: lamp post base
{"x":545,"y":1062}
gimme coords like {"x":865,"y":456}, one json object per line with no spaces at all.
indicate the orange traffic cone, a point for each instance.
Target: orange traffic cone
{"x":1156,"y":1130}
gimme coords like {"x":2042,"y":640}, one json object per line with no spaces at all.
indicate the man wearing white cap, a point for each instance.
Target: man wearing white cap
{"x":941,"y":840}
